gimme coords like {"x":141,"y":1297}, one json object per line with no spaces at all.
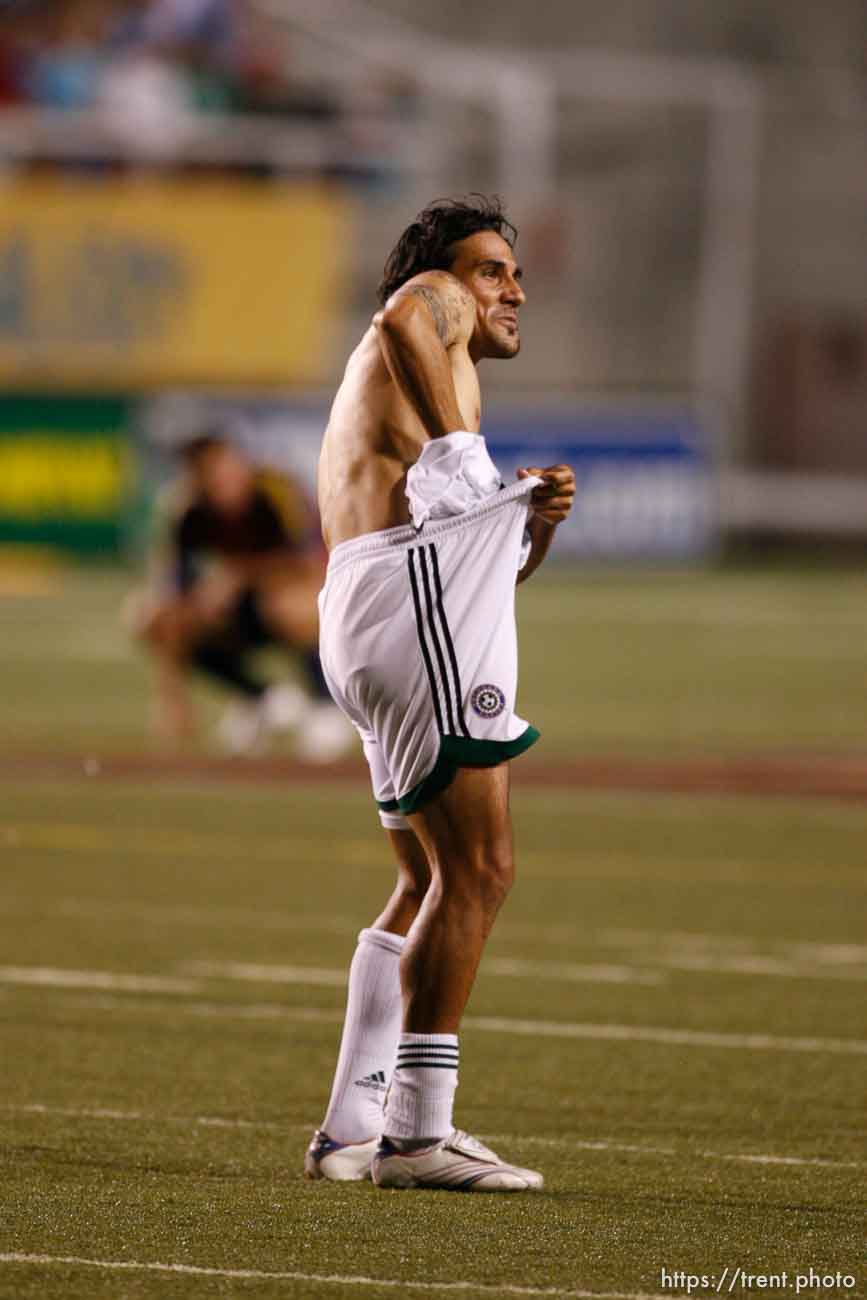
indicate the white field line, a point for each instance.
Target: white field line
{"x":665,"y":950}
{"x":681,"y":1037}
{"x":572,"y":972}
{"x":568,"y":972}
{"x":830,"y":952}
{"x":833,"y":953}
{"x":643,"y":1150}
{"x":757,"y":965}
{"x":133,"y":1116}
{"x":255,"y":973}
{"x":507,"y":1025}
{"x":594,"y":973}
{"x":325,"y":977}
{"x":329,"y":1279}
{"x":305,"y":976}
{"x":570,"y":1144}
{"x":212,"y":1010}
{"x":51,"y":977}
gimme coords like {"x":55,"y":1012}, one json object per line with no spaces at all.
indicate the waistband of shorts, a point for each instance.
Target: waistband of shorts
{"x":405,"y":536}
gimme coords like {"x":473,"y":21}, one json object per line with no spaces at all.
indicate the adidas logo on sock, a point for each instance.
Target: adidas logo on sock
{"x":375,"y":1080}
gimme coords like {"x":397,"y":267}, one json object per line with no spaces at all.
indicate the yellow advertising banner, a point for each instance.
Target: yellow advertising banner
{"x":142,"y":283}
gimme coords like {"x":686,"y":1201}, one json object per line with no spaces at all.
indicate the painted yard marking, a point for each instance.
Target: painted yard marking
{"x":333,"y":1279}
{"x":256,"y":973}
{"x":573,"y":972}
{"x":567,"y":1143}
{"x":493,"y":1024}
{"x":51,"y":977}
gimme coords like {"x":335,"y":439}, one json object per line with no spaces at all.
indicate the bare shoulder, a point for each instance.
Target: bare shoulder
{"x":450,"y":303}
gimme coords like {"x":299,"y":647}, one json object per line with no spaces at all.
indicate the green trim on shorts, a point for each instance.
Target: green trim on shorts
{"x":455,"y":752}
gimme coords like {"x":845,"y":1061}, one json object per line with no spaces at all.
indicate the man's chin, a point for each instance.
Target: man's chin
{"x":504,"y":348}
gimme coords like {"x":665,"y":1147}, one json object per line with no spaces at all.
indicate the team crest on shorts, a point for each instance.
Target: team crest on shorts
{"x":488,"y":701}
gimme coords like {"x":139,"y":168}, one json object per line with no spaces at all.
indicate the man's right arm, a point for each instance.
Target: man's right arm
{"x":427,"y":316}
{"x":180,"y":554}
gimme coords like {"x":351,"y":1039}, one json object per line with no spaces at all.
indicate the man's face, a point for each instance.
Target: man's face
{"x":484,"y":263}
{"x":225,"y":478}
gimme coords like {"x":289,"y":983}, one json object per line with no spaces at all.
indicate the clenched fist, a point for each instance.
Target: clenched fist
{"x":552,"y":500}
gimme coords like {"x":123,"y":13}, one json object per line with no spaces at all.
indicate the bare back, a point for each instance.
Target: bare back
{"x":375,"y":431}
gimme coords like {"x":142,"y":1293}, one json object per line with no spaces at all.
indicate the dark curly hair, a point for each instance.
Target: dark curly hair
{"x":426,"y":244}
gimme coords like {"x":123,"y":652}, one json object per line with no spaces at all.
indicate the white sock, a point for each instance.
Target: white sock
{"x":423,"y":1088}
{"x":369,"y":1043}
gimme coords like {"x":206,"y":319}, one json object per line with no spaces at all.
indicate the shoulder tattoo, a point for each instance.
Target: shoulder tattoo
{"x":445,"y":306}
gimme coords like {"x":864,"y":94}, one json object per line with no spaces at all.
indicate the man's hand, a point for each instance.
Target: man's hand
{"x":552,"y":500}
{"x":551,"y":503}
{"x":211,"y":599}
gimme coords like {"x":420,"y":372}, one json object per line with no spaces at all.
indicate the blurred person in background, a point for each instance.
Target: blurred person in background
{"x":21,"y":35}
{"x":150,"y":70}
{"x":190,"y":43}
{"x":237,"y":567}
{"x":64,"y":53}
{"x":170,"y":60}
{"x":148,"y":66}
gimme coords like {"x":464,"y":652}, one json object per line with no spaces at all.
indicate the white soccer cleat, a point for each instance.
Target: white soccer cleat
{"x":246,"y":727}
{"x":284,"y":706}
{"x":458,"y":1163}
{"x":325,"y":734}
{"x":242,"y":730}
{"x":340,"y":1162}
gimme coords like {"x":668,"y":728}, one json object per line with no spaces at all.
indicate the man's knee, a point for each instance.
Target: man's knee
{"x":498,"y":874}
{"x":483,"y":877}
{"x":413,"y":877}
{"x":165,"y":634}
{"x":166,"y":627}
{"x":412,"y":890}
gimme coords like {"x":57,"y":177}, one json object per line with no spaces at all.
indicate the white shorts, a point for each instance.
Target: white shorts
{"x":419,"y":647}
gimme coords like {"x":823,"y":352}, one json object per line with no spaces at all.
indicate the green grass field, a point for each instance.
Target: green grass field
{"x":669,"y":1021}
{"x":611,"y":663}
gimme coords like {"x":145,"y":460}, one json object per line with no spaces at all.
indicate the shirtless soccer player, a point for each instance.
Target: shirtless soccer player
{"x":418,"y":645}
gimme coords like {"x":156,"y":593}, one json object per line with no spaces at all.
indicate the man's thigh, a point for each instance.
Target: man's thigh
{"x":287,"y":600}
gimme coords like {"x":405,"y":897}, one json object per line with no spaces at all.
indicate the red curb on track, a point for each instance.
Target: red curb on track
{"x":815,"y":776}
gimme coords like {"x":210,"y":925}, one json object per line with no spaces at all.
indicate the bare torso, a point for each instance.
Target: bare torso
{"x":373,"y":437}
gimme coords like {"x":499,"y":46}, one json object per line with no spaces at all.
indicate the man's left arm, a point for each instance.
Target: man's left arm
{"x":551,"y":502}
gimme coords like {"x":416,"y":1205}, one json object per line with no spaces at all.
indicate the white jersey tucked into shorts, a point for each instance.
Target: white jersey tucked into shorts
{"x":419,"y":646}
